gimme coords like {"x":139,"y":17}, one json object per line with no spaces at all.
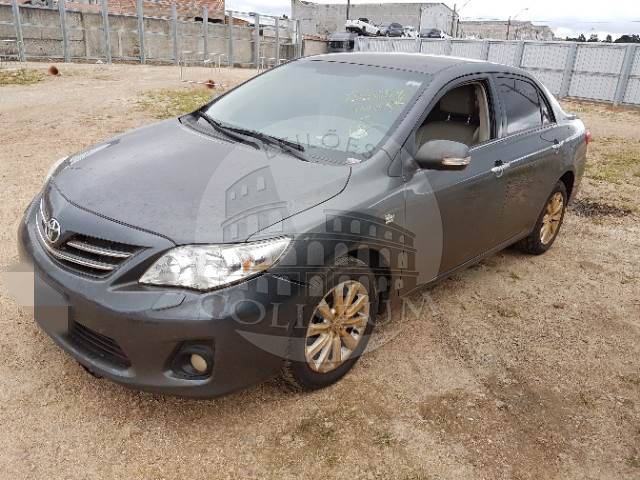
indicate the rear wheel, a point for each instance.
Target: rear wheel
{"x":549,"y":223}
{"x":329,"y":342}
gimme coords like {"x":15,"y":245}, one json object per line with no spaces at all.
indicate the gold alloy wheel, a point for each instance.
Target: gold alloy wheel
{"x":337,"y":326}
{"x":552,"y":217}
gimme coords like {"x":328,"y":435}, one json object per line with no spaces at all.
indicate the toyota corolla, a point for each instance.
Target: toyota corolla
{"x":263,"y":233}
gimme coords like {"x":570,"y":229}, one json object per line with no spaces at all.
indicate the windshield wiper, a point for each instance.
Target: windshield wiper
{"x":226,"y":130}
{"x":292,"y":148}
{"x":240,"y":134}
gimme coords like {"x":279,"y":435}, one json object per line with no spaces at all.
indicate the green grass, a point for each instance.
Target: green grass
{"x":23,"y":76}
{"x":169,"y":103}
{"x":614,"y":160}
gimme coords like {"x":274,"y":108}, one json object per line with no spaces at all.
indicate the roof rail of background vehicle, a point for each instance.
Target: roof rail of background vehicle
{"x":416,"y":62}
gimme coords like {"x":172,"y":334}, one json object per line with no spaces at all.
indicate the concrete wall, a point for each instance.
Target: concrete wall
{"x":498,"y":31}
{"x":43,"y":37}
{"x":325,"y":19}
{"x":593,"y":71}
{"x":314,"y":47}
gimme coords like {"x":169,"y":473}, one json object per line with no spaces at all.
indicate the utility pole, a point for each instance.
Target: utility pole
{"x":456,"y":15}
{"x":348,"y":9}
{"x":514,"y":17}
{"x":453,"y":20}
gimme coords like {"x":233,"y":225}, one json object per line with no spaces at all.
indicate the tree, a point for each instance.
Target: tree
{"x":581,"y":38}
{"x":609,"y":39}
{"x":593,"y":38}
{"x":628,"y":39}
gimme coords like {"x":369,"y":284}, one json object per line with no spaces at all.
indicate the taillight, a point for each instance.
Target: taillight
{"x":587,"y":137}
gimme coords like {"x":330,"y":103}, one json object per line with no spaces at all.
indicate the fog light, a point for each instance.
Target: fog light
{"x":193,"y":360}
{"x":199,"y":363}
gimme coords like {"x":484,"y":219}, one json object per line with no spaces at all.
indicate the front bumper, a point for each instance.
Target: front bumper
{"x":131,"y":334}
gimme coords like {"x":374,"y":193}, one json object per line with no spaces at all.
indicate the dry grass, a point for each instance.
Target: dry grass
{"x":615,"y":160}
{"x":612,"y":176}
{"x":168,"y":103}
{"x":22,"y":76}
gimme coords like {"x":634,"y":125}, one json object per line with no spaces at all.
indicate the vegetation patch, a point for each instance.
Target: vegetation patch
{"x":169,"y":103}
{"x":385,"y":439}
{"x":590,"y":208}
{"x":601,"y":109}
{"x":614,"y":160}
{"x":633,"y":461}
{"x":22,"y":76}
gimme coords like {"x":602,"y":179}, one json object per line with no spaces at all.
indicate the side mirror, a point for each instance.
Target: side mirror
{"x":443,"y":155}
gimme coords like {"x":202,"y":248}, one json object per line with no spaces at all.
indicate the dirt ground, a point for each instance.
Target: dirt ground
{"x":530,"y":371}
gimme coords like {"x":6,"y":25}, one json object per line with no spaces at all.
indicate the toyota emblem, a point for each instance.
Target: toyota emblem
{"x":52,"y":230}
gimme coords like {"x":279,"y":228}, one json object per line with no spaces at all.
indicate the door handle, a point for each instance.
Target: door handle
{"x":557,"y":146}
{"x":499,"y":169}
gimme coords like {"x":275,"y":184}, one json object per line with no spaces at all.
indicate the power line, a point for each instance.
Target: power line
{"x":568,"y":22}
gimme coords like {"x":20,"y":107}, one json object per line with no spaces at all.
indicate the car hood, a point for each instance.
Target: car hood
{"x":193,"y":188}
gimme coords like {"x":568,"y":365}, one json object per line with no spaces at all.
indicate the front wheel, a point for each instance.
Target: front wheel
{"x":549,"y":222}
{"x":328,"y":343}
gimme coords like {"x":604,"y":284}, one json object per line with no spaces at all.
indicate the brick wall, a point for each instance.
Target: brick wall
{"x":187,"y":9}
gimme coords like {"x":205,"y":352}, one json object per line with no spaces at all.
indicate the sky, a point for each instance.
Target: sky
{"x":566,"y":17}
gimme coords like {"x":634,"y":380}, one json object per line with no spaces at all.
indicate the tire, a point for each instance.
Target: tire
{"x":540,"y":240}
{"x":296,"y":370}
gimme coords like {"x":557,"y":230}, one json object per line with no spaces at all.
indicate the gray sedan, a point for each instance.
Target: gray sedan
{"x":264,"y":233}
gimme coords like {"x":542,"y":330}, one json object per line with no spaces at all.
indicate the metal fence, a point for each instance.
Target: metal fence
{"x":155,"y":32}
{"x":590,"y":71}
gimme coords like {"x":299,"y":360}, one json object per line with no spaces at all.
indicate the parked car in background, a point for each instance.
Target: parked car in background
{"x":362,"y":26}
{"x":433,"y":33}
{"x":410,"y":32}
{"x":342,"y":42}
{"x":176,"y":277}
{"x":391,"y":30}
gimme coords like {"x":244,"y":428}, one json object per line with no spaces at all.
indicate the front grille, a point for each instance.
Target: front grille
{"x":89,"y":255}
{"x":98,"y":345}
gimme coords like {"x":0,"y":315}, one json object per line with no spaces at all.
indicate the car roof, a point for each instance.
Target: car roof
{"x":415,"y":62}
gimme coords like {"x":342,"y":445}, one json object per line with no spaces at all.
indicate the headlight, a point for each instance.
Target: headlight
{"x":54,"y":168}
{"x":206,"y":267}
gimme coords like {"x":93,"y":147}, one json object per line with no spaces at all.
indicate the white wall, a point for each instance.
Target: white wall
{"x":602,"y":72}
{"x":325,"y":19}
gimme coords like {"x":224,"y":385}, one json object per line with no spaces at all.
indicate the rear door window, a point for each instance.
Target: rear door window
{"x":546,"y":113}
{"x":522,"y":104}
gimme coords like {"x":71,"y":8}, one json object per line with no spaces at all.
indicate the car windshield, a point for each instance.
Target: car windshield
{"x":340,"y":109}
